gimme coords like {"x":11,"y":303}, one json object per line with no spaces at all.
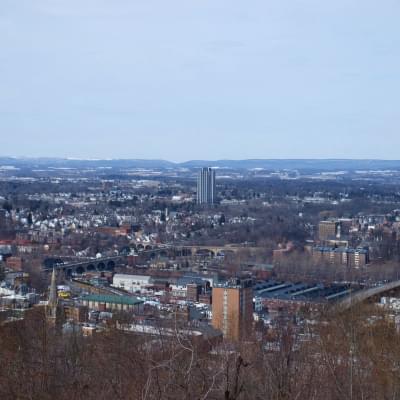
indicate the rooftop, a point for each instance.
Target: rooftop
{"x":341,"y":249}
{"x":271,"y":289}
{"x":134,"y":277}
{"x":113,"y":299}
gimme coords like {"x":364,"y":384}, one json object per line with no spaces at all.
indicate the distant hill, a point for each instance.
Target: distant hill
{"x":300,"y":164}
{"x":81,"y":163}
{"x":269,"y":164}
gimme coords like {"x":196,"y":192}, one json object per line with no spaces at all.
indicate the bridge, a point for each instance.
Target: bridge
{"x":366,"y":294}
{"x":214,"y":250}
{"x":173,"y":250}
{"x":88,"y":265}
{"x":109,"y":263}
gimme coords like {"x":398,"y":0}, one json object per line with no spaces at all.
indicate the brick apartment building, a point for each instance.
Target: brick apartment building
{"x":232,"y":308}
{"x":341,"y":256}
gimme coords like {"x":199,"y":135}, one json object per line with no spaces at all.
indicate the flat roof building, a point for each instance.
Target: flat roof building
{"x":232,"y":308}
{"x":103,"y":302}
{"x":132,"y":283}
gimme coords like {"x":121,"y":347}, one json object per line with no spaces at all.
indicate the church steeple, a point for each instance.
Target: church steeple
{"x":52,"y":303}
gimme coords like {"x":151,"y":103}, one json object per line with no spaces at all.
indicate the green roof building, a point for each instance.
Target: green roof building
{"x":103,"y":302}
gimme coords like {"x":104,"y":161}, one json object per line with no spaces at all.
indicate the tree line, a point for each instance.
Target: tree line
{"x":333,"y":357}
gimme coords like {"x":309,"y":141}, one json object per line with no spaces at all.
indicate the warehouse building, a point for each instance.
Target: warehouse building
{"x":103,"y":302}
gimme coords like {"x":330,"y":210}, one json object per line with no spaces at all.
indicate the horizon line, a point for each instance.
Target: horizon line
{"x":66,"y":158}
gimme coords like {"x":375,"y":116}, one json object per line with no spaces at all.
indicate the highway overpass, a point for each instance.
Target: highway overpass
{"x":360,"y":296}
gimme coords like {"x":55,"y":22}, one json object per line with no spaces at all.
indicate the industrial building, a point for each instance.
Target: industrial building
{"x":278,"y":295}
{"x":104,"y":302}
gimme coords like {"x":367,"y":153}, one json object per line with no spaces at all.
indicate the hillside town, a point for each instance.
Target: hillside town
{"x":211,"y":259}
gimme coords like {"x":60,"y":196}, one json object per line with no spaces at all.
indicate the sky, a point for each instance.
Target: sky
{"x":200,"y":79}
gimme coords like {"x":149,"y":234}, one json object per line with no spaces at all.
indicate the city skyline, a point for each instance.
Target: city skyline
{"x":131,"y":80}
{"x":199,"y":200}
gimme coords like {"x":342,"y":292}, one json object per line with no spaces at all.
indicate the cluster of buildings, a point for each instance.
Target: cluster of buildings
{"x":107,"y":218}
{"x":190,"y":286}
{"x":230,"y":305}
{"x":349,"y":242}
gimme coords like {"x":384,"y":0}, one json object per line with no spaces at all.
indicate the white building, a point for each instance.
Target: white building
{"x":258,"y":304}
{"x":132,"y":283}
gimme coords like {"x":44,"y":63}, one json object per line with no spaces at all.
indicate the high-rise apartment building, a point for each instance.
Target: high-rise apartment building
{"x":329,"y":230}
{"x":206,"y":186}
{"x":232,"y":308}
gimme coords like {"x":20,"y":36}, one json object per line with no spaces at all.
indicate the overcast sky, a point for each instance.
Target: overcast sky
{"x":200,"y":79}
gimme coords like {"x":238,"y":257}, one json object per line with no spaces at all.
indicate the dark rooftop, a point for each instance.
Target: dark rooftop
{"x":271,"y":289}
